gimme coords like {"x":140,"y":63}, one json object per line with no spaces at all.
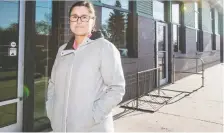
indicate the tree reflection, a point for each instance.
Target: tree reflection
{"x":8,"y":35}
{"x":114,"y":28}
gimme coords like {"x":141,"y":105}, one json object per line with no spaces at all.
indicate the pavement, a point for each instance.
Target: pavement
{"x":189,"y":108}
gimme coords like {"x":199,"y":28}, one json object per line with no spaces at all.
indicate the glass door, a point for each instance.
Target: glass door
{"x":162,"y":52}
{"x":43,"y":61}
{"x":10,"y":74}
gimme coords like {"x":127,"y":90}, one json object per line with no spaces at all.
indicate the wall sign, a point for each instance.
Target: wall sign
{"x":12,"y":51}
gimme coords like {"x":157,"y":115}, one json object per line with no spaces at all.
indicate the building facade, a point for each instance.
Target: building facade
{"x":148,"y":34}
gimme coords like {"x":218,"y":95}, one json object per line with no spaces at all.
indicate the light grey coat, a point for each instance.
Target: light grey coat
{"x":85,"y":85}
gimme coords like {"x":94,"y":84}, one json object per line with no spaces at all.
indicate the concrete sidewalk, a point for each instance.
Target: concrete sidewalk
{"x":200,"y":111}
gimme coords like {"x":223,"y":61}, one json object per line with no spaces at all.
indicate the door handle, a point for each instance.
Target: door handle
{"x":20,"y":98}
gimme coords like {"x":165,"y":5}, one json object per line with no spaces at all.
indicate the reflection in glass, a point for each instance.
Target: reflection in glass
{"x":114,"y":26}
{"x":161,"y":38}
{"x":8,"y":114}
{"x":196,"y":14}
{"x":162,"y":64}
{"x":8,"y":34}
{"x":158,"y":12}
{"x":176,"y":38}
{"x":124,"y":3}
{"x":176,"y":13}
{"x":43,"y":33}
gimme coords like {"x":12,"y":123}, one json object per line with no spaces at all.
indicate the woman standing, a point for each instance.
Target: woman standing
{"x":87,"y":79}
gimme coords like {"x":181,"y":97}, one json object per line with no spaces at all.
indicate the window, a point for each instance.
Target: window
{"x":197,"y":40}
{"x":176,"y":13}
{"x":176,"y":38}
{"x":43,"y":23}
{"x":212,"y":15}
{"x":114,"y":23}
{"x":158,"y":12}
{"x":196,"y":14}
{"x":217,"y":29}
{"x":123,"y":3}
{"x":176,"y":21}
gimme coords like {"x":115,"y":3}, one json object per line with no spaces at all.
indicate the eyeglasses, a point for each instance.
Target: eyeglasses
{"x":75,"y":18}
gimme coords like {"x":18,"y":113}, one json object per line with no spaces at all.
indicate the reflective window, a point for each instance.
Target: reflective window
{"x":176,"y":38}
{"x":122,"y":3}
{"x":8,"y":114}
{"x":114,"y":26}
{"x":161,"y":38}
{"x":8,"y":54}
{"x":158,"y":12}
{"x":196,"y":14}
{"x":176,"y":13}
{"x":217,"y":27}
{"x":8,"y":60}
{"x":43,"y":23}
{"x":162,"y":64}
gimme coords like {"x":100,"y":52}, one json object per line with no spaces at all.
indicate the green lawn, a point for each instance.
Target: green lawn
{"x":7,"y":115}
{"x":8,"y":74}
{"x":8,"y":89}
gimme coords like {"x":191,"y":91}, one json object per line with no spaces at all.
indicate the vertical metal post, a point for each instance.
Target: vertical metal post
{"x":159,"y":81}
{"x":137,"y":90}
{"x":173,"y":69}
{"x":22,"y":6}
{"x":203,"y":78}
{"x":196,"y":62}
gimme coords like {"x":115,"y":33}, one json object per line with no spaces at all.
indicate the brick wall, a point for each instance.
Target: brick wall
{"x":145,"y":47}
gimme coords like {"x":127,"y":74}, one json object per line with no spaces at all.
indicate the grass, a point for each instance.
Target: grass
{"x":7,"y":115}
{"x":9,"y":90}
{"x":8,"y":74}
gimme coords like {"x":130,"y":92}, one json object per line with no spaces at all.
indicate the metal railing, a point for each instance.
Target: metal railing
{"x":147,"y":88}
{"x":148,"y":98}
{"x":196,"y":72}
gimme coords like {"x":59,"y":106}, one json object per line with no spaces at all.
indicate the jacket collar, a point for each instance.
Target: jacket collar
{"x":94,"y":35}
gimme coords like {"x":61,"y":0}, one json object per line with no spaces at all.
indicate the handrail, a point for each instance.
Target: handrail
{"x":190,"y":58}
{"x":148,"y":70}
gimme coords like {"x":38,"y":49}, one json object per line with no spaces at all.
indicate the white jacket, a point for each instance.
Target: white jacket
{"x":85,"y":85}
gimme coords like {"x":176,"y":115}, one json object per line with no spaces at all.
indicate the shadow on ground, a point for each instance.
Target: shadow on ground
{"x":152,"y":102}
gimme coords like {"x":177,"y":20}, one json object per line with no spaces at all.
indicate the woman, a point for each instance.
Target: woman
{"x":87,"y":79}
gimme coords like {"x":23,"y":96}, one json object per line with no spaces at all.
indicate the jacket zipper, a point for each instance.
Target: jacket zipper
{"x":67,"y":101}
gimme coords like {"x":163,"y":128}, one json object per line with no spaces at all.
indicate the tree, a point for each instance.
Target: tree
{"x":116,"y":26}
{"x":43,"y":27}
{"x":7,"y":35}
